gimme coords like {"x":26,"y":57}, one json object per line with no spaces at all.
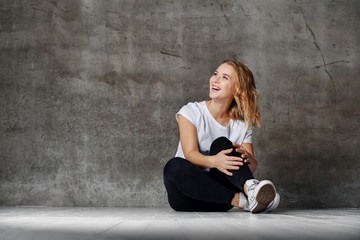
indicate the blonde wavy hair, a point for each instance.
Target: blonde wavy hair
{"x":245,"y":105}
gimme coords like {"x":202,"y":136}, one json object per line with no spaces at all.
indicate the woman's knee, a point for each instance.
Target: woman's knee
{"x":219,"y":144}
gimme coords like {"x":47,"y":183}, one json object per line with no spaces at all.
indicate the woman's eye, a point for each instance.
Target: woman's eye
{"x":225,"y":77}
{"x":215,"y":74}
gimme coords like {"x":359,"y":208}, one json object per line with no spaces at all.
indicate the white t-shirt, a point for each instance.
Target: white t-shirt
{"x":208,"y":129}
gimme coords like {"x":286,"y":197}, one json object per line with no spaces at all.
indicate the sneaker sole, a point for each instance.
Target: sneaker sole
{"x":264,"y":197}
{"x":274,"y":204}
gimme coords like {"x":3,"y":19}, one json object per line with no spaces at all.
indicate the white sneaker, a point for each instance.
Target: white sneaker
{"x":260,"y":195}
{"x":244,"y":203}
{"x":274,"y":204}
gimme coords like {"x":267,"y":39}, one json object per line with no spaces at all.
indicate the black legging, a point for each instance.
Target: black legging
{"x":190,"y":188}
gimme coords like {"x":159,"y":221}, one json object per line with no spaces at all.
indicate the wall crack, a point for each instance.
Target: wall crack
{"x":322,"y":55}
{"x":341,"y":61}
{"x":170,"y":53}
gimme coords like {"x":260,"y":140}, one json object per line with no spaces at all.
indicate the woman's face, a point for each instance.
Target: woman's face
{"x":222,"y":83}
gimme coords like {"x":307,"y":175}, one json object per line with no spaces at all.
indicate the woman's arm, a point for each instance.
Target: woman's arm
{"x":247,"y":153}
{"x":190,"y":147}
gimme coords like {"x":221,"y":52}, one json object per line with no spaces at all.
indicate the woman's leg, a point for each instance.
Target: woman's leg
{"x":189,"y":188}
{"x":260,"y":194}
{"x":237,"y":180}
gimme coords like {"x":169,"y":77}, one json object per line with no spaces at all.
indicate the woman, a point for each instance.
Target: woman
{"x":214,"y":164}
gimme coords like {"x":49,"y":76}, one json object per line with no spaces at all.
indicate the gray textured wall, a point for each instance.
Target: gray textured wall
{"x":89,"y":89}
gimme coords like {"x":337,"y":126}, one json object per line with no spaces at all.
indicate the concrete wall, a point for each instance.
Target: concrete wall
{"x":89,"y":90}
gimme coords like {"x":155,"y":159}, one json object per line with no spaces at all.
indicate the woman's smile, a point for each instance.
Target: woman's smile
{"x":215,"y":88}
{"x":222,"y":82}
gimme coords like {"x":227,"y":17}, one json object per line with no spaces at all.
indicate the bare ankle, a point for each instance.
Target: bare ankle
{"x":235,"y":200}
{"x":245,"y":189}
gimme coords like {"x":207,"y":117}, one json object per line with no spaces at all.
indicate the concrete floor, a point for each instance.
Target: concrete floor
{"x":40,"y":223}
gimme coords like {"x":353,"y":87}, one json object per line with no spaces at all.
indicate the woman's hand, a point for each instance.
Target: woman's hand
{"x":247,"y":156}
{"x":225,"y":163}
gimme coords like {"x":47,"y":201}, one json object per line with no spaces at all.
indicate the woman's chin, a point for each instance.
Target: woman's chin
{"x":213,"y":94}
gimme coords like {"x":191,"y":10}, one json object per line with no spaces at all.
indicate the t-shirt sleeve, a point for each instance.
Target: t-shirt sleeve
{"x":190,"y":112}
{"x":248,"y":136}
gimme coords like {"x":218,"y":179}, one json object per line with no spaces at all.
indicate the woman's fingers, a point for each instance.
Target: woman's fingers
{"x":236,"y":145}
{"x":230,"y":167}
{"x":229,"y":162}
{"x":234,"y":158}
{"x":227,"y":172}
{"x":227,"y":151}
{"x":239,"y":147}
{"x":248,"y":160}
{"x":235,"y":163}
{"x":233,"y":168}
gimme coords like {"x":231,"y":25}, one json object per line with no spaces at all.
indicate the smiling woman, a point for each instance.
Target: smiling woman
{"x":214,"y":164}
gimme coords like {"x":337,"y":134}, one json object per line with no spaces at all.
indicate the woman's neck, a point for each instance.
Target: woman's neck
{"x":219,"y":110}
